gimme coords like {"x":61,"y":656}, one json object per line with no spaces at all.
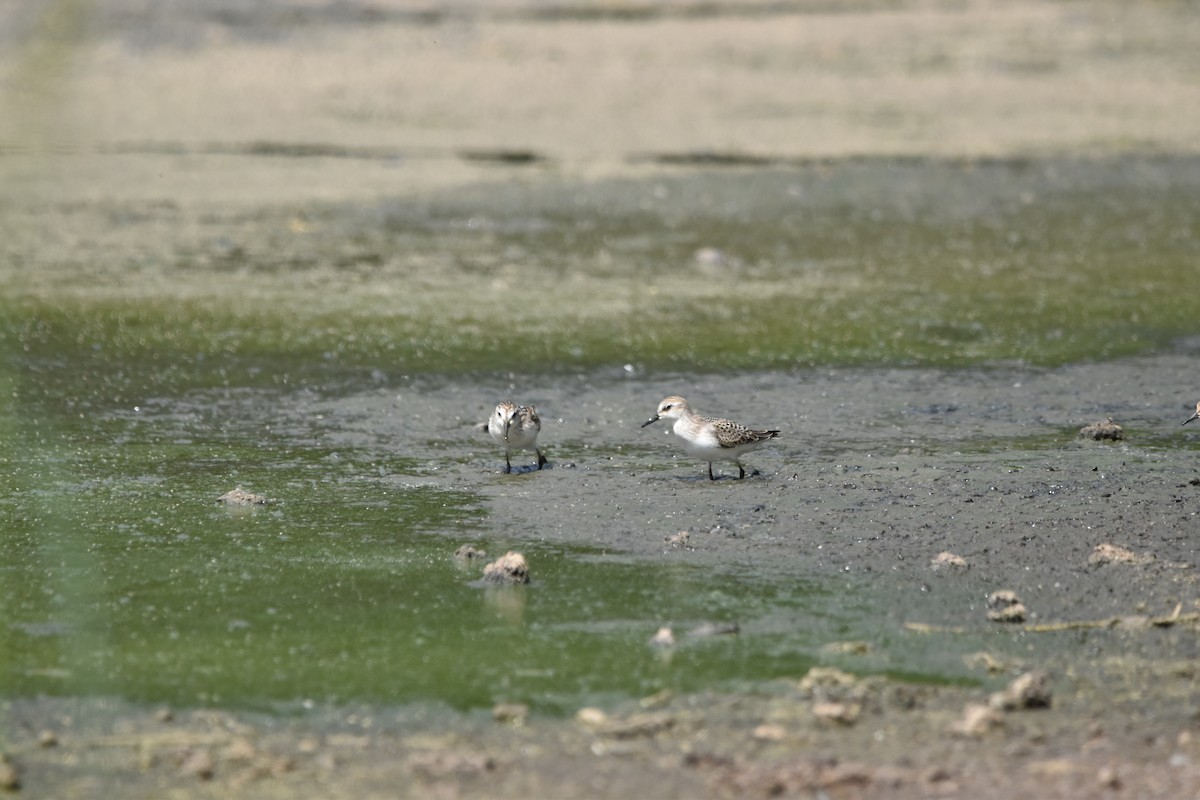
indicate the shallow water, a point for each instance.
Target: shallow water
{"x":125,"y":577}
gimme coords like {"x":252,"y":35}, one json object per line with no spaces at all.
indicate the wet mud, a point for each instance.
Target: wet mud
{"x":877,"y":476}
{"x":267,"y":161}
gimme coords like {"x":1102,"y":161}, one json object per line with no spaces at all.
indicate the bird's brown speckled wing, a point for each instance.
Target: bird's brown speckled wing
{"x":733,"y":434}
{"x":530,"y":418}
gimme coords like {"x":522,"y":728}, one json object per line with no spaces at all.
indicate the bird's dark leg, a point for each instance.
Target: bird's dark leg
{"x":507,"y":463}
{"x":741,"y":470}
{"x":711,"y":477}
{"x":541,"y":459}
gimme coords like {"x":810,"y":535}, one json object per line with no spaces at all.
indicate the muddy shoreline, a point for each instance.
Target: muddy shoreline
{"x":153,"y":158}
{"x":876,"y":475}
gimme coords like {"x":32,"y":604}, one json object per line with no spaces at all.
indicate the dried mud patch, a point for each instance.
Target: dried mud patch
{"x":905,"y":740}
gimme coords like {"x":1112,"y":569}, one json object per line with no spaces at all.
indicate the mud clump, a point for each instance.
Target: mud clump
{"x":664,"y":637}
{"x":769,"y":732}
{"x":1005,"y":606}
{"x":240,"y":497}
{"x":947,"y":560}
{"x":837,"y":697}
{"x":1102,"y":431}
{"x":839,"y":713}
{"x":1031,"y":690}
{"x":1112,"y":554}
{"x":824,"y":682}
{"x":510,"y":568}
{"x":678,"y":540}
{"x":977,"y":720}
{"x":637,"y":726}
{"x":591,"y":717}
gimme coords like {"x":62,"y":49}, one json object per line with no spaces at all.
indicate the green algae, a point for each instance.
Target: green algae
{"x":1042,"y":263}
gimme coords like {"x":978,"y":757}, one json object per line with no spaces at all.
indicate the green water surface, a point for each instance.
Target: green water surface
{"x":124,"y":577}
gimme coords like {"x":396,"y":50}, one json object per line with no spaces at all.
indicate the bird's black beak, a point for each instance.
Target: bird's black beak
{"x":651,"y":421}
{"x":1185,"y":422}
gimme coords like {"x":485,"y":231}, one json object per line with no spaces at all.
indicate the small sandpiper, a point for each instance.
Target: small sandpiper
{"x":710,"y":439}
{"x":516,"y":428}
{"x":1193,"y":416}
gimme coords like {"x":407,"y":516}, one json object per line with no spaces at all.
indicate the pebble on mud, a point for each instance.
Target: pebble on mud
{"x":508,"y":568}
{"x":769,"y":732}
{"x":1031,"y":690}
{"x":240,"y":497}
{"x":948,"y":560}
{"x":591,"y":717}
{"x":977,"y":719}
{"x":678,"y":540}
{"x":841,"y":713}
{"x":713,"y":261}
{"x":1102,"y":431}
{"x":663,"y":638}
{"x":1005,"y":606}
{"x":1112,"y":554}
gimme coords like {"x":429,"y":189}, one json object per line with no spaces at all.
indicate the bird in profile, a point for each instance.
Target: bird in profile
{"x":515,"y":428}
{"x":709,"y":438}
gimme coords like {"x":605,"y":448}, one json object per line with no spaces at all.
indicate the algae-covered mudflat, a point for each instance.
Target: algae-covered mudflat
{"x":305,"y":250}
{"x":872,"y":262}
